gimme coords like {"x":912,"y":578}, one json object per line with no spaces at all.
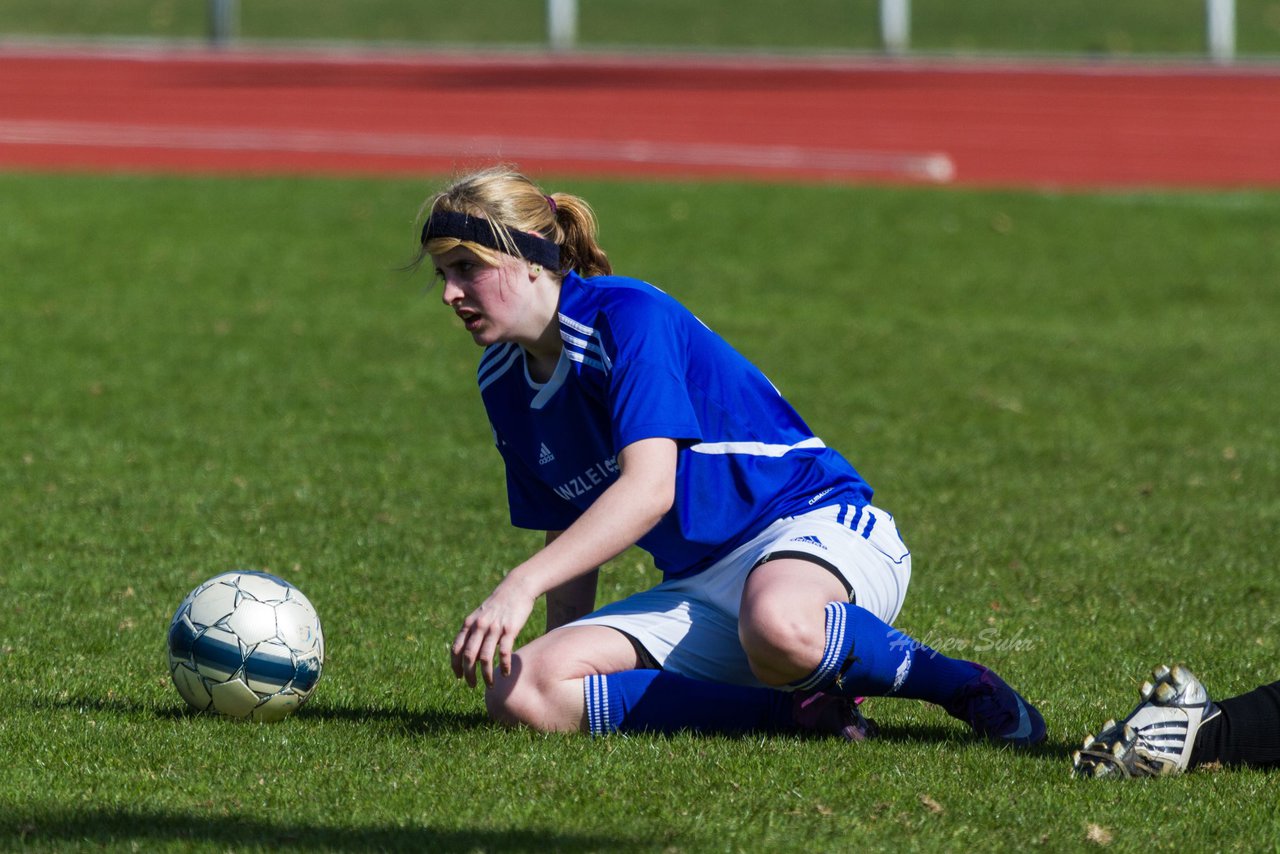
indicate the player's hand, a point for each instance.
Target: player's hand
{"x":491,"y":628}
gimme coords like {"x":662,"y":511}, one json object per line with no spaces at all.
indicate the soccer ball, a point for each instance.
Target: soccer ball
{"x":246,"y":645}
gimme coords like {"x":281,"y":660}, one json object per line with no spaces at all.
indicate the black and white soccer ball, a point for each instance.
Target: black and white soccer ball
{"x":246,"y":645}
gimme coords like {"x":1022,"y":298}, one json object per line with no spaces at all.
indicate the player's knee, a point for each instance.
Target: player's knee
{"x":523,"y":699}
{"x":512,"y":699}
{"x":781,"y":645}
{"x":506,"y":704}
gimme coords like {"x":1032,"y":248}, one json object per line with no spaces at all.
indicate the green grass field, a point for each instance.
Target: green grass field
{"x":1094,"y":27}
{"x":1069,"y":401}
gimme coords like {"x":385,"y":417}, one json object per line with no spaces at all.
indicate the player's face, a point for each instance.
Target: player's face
{"x":493,"y":303}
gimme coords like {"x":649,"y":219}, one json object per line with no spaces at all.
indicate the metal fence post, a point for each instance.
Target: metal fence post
{"x":222,"y":22}
{"x":1220,"y":18}
{"x":895,"y":25}
{"x":562,"y":24}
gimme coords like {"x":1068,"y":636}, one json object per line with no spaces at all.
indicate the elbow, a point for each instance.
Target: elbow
{"x":657,"y":499}
{"x":649,"y":477}
{"x":662,"y":498}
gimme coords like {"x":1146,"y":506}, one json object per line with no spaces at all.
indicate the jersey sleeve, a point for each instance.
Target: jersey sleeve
{"x":648,"y":392}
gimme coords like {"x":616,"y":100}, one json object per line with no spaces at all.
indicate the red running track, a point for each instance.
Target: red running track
{"x":1064,"y":125}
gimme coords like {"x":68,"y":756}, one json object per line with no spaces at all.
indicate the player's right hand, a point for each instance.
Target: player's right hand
{"x":491,"y":628}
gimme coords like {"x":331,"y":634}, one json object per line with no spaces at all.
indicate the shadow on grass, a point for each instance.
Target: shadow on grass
{"x":432,"y":721}
{"x":423,"y":722}
{"x":1051,"y":749}
{"x":146,"y":828}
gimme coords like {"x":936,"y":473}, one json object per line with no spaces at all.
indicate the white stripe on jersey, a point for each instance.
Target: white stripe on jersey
{"x":592,"y":345}
{"x":581,"y":343}
{"x":755,"y":449}
{"x":586,"y":360}
{"x":487,"y":373}
{"x":575,"y":325}
{"x":570,"y":338}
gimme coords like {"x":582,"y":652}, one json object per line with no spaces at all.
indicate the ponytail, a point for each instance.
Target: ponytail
{"x":579,"y":230}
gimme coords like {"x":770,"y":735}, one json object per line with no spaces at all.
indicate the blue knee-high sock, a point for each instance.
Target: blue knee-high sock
{"x":865,"y":656}
{"x":657,"y":701}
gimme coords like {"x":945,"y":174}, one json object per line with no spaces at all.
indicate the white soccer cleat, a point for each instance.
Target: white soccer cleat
{"x":1157,"y":737}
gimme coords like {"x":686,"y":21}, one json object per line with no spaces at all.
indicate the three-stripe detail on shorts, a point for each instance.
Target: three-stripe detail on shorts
{"x":862,"y":521}
{"x":862,"y":515}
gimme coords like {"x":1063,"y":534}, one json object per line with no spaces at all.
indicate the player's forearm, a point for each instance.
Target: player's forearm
{"x":625,"y":512}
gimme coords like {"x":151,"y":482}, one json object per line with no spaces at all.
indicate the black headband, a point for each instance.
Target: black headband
{"x":479,"y":230}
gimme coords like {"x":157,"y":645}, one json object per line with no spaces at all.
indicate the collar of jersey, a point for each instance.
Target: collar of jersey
{"x":545,"y":391}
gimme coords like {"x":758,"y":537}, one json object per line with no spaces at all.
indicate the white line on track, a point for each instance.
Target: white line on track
{"x":928,"y":166}
{"x":412,"y":54}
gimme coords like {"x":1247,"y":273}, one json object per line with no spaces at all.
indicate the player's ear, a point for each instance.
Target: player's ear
{"x":535,"y":270}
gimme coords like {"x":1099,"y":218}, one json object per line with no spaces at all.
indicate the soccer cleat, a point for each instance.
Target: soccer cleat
{"x":831,"y":714}
{"x":996,"y":711}
{"x":1157,"y":737}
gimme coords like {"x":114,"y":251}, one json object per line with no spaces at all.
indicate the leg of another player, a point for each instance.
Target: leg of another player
{"x":1177,"y":727}
{"x":799,"y":630}
{"x":1246,"y":733}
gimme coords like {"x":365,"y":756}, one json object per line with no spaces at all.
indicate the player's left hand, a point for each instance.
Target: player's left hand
{"x":491,"y":628}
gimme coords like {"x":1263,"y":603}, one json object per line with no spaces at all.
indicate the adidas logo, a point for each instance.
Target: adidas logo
{"x":811,"y":540}
{"x":544,"y":455}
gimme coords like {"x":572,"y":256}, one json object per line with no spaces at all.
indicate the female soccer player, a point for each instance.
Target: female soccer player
{"x":623,"y":420}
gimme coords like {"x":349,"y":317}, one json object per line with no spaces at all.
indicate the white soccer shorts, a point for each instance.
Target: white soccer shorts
{"x":690,"y":625}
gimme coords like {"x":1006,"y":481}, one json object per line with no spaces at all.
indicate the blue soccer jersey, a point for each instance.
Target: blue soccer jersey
{"x":637,"y":365}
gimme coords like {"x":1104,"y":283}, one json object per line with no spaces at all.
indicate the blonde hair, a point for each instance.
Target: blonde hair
{"x":510,"y":201}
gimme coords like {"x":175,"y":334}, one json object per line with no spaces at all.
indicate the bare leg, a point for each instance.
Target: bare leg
{"x":782,"y":623}
{"x":544,"y":690}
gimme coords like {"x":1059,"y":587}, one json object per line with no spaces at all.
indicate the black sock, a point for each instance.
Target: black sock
{"x":1246,"y":733}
